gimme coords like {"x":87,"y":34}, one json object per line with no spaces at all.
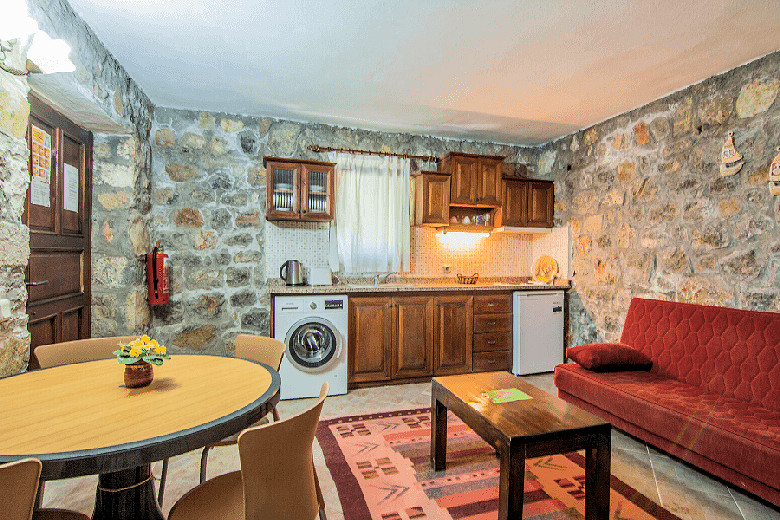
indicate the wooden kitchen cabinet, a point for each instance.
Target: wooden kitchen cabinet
{"x":527,"y":203}
{"x":432,"y":200}
{"x":453,"y":334}
{"x":475,"y":179}
{"x":298,"y":189}
{"x":412,"y":336}
{"x":492,"y":332}
{"x":370,"y":339}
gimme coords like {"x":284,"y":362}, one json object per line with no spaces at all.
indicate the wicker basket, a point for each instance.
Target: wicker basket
{"x":468,"y":279}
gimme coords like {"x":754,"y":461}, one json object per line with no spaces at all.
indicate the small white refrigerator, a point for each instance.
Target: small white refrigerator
{"x":537,"y":331}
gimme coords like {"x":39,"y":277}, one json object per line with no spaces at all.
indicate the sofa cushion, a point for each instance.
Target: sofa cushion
{"x":729,"y":352}
{"x":608,"y":357}
{"x":740,"y":435}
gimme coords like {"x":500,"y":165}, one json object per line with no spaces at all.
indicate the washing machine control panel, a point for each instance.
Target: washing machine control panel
{"x":313,"y":305}
{"x":333,"y":304}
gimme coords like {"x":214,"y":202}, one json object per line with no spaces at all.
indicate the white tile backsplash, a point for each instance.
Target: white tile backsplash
{"x":499,"y":254}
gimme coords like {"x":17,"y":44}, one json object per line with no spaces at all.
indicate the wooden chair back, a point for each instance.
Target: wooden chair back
{"x":277,"y":468}
{"x":18,"y":486}
{"x":79,"y":350}
{"x":260,"y":348}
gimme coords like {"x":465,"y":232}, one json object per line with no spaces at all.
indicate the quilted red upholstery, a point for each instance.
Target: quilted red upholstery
{"x":729,"y":352}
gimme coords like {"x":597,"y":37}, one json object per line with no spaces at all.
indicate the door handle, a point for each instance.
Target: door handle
{"x":36,"y":284}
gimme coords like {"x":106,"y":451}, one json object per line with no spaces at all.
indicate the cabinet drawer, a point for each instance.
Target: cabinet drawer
{"x":493,"y":323}
{"x":491,"y":361}
{"x":489,"y":341}
{"x":492,"y":304}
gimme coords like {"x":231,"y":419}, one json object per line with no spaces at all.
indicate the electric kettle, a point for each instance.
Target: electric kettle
{"x":291,"y":272}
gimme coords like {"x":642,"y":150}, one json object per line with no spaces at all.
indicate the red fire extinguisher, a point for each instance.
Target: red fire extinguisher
{"x":157,"y":271}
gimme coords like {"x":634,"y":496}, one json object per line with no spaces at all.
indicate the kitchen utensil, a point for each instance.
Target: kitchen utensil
{"x":468,"y":279}
{"x":292,"y":272}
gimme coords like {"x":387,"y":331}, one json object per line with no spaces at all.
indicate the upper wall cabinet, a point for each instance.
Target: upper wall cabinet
{"x":475,"y":179}
{"x":432,"y":199}
{"x":527,"y":203}
{"x":299,"y":189}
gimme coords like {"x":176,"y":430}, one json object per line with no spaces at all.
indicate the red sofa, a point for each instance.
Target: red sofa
{"x":712,"y":396}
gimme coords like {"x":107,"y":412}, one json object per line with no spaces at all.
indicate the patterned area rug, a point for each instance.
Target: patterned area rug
{"x":380,"y":464}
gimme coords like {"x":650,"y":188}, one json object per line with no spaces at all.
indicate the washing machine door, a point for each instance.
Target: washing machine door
{"x":312,"y":343}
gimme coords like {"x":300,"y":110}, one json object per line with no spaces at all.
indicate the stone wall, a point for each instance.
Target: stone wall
{"x":14,"y":236}
{"x":121,"y":187}
{"x":209,"y":211}
{"x":650,"y":213}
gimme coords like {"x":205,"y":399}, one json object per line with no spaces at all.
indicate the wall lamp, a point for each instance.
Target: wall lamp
{"x":25,"y":48}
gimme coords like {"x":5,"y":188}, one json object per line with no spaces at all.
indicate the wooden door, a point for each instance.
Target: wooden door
{"x":370,"y":341}
{"x":453,"y":334}
{"x":58,"y":212}
{"x":463,"y":173}
{"x":412,"y":336}
{"x":433,"y":207}
{"x":515,"y":204}
{"x":540,"y":203}
{"x":488,"y":189}
{"x":316,"y":192}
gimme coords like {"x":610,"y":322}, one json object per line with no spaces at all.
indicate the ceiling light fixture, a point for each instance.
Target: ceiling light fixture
{"x":24,"y":48}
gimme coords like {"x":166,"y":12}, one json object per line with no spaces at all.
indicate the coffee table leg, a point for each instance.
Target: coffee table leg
{"x":511,"y":485}
{"x":127,"y":495}
{"x":597,"y":475}
{"x":438,"y":434}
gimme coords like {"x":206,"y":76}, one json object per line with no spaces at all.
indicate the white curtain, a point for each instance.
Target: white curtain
{"x":370,"y":233}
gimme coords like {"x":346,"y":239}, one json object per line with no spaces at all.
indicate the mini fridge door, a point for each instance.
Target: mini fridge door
{"x":537,"y":331}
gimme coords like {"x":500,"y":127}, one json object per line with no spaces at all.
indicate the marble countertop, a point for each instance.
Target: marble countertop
{"x":415,"y":285}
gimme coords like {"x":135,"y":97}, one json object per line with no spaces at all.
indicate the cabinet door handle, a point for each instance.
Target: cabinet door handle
{"x":491,"y":323}
{"x":492,"y":361}
{"x":491,"y":342}
{"x":491,"y":304}
{"x":36,"y":284}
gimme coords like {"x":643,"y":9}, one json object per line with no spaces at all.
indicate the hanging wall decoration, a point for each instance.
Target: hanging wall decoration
{"x":730,"y":159}
{"x":774,"y":175}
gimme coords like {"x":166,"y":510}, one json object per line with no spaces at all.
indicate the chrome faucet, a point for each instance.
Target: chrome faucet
{"x":382,"y":277}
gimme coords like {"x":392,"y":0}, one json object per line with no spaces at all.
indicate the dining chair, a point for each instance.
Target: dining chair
{"x":255,"y":348}
{"x":78,"y":351}
{"x":18,"y":487}
{"x":277,"y":479}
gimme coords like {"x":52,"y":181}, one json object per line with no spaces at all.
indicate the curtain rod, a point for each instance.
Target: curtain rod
{"x":322,"y":149}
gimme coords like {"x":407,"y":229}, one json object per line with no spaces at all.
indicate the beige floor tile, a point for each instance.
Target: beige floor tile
{"x":696,"y":504}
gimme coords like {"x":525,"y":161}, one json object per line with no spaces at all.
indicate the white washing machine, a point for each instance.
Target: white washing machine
{"x":314,"y":328}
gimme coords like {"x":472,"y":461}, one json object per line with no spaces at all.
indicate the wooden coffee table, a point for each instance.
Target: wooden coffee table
{"x":520,"y":430}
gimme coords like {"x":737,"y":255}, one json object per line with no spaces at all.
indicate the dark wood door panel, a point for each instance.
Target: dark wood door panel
{"x":413,"y":342}
{"x":453,"y":334}
{"x":40,"y":217}
{"x":59,"y":273}
{"x":370,"y":344}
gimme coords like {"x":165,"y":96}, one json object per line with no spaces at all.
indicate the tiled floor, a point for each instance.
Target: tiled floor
{"x":680,"y":488}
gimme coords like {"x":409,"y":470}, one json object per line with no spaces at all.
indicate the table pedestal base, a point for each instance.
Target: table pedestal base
{"x":127,"y":495}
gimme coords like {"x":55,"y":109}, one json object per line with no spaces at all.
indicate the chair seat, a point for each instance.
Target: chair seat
{"x":58,"y":514}
{"x":220,"y":497}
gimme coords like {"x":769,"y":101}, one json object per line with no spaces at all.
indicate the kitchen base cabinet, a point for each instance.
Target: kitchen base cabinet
{"x":453,"y":334}
{"x":492,"y":332}
{"x":370,"y":339}
{"x":412,"y":336}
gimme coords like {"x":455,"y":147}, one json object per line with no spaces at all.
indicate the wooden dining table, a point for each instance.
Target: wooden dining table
{"x":80,"y":419}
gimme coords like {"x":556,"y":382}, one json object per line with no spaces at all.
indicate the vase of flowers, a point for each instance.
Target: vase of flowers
{"x":138,"y":357}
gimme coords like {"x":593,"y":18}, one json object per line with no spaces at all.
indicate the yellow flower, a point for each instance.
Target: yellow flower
{"x":160,"y":349}
{"x":135,"y":351}
{"x":145,"y":338}
{"x":153,"y":343}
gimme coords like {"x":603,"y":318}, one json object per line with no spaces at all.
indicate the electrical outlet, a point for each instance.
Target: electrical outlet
{"x":445,"y":269}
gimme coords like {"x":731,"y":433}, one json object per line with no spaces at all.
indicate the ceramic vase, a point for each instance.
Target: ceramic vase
{"x":138,"y":374}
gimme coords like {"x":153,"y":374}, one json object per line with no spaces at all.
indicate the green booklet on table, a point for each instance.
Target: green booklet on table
{"x":506,"y":395}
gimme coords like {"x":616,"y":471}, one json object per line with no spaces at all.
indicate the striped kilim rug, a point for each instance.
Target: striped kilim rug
{"x":380,"y":464}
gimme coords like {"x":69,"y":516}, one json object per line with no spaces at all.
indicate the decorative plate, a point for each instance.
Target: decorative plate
{"x":545,"y":269}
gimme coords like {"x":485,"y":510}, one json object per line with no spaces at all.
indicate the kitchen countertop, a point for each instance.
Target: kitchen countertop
{"x":415,"y":285}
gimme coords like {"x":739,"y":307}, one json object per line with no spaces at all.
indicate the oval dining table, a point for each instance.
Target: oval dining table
{"x":80,"y":419}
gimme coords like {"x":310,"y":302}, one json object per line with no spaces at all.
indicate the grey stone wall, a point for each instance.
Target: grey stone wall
{"x":209,"y":211}
{"x":14,"y":236}
{"x":651,"y":215}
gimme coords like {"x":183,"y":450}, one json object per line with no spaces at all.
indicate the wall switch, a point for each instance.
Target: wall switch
{"x":5,"y":308}
{"x":445,"y":269}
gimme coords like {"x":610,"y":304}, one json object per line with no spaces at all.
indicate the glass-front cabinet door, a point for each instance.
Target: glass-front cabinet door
{"x":298,"y":189}
{"x":316,"y":192}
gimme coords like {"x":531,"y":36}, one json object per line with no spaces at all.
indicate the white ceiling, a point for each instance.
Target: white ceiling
{"x":519,"y":71}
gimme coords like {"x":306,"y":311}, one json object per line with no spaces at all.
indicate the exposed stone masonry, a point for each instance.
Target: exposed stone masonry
{"x":650,"y":214}
{"x":209,"y":211}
